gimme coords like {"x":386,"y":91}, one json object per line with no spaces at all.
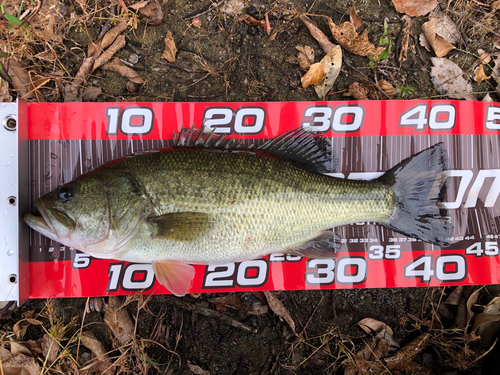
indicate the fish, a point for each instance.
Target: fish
{"x":210,"y":200}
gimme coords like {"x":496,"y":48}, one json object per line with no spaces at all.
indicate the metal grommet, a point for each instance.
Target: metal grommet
{"x":12,"y":201}
{"x":13,"y":279}
{"x":9,"y":122}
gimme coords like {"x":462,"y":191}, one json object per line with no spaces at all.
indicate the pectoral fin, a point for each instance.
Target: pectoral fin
{"x":180,"y":226}
{"x":326,"y":245}
{"x":175,"y":275}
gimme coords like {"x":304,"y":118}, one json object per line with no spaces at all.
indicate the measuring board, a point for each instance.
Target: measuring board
{"x":368,"y":138}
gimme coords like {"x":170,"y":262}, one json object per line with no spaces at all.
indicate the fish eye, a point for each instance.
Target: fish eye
{"x":65,"y":194}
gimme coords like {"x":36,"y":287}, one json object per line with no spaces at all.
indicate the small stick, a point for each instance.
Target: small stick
{"x":210,"y":313}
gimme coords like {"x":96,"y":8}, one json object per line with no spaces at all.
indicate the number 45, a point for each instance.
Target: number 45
{"x":441,"y":117}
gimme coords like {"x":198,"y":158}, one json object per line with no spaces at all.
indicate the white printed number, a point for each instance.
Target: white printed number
{"x":250,"y":273}
{"x":81,"y":261}
{"x":446,"y":268}
{"x":478,"y":249}
{"x":225,"y":120}
{"x":343,"y":271}
{"x":341,"y":119}
{"x":132,"y":120}
{"x":130,"y":277}
{"x":389,"y":252}
{"x":440,"y":117}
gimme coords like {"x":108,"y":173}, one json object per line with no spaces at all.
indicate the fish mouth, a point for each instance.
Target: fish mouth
{"x":43,"y":220}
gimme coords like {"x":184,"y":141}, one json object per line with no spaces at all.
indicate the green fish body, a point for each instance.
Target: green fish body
{"x":205,"y":205}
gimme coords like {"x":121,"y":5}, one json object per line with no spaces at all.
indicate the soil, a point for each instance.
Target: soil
{"x":227,"y":60}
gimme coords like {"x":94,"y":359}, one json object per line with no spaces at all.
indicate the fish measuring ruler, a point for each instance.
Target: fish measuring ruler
{"x":369,"y":138}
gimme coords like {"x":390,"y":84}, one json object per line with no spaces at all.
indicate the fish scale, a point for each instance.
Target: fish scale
{"x":258,"y":204}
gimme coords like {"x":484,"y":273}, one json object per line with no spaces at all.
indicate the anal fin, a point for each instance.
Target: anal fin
{"x":175,"y":275}
{"x":326,"y":245}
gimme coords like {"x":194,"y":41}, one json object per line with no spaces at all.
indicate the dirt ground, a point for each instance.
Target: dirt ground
{"x":226,"y":59}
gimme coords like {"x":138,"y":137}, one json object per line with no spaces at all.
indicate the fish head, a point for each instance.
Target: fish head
{"x":75,"y":214}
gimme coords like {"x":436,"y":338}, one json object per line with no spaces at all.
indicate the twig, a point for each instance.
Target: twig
{"x":210,"y":313}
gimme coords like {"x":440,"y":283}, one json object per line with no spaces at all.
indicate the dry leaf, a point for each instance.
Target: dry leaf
{"x":355,"y":18}
{"x":20,"y":78}
{"x":95,"y":48}
{"x":71,"y":92}
{"x":408,"y":352}
{"x":90,"y":93}
{"x":170,"y":48}
{"x":305,"y":56}
{"x":332,"y":63}
{"x":234,"y":7}
{"x":279,"y":309}
{"x":440,"y":46}
{"x":118,"y":321}
{"x":139,"y":5}
{"x":370,"y":325}
{"x":349,"y":39}
{"x":4,"y":91}
{"x":317,"y":34}
{"x":480,"y":75}
{"x":358,"y":91}
{"x":50,"y":348}
{"x":267,"y":26}
{"x":235,"y":301}
{"x":313,"y":76}
{"x":487,"y":98}
{"x":387,"y":88}
{"x":102,"y":363}
{"x":155,"y":13}
{"x":403,"y":52}
{"x":470,"y":302}
{"x":495,"y":5}
{"x":448,"y":78}
{"x":196,"y":22}
{"x":16,"y":348}
{"x":415,"y":8}
{"x":197,"y":370}
{"x":485,"y":58}
{"x":117,"y":66}
{"x":446,"y":28}
{"x":455,"y":296}
{"x":18,"y":365}
{"x":117,"y":45}
{"x":424,"y":42}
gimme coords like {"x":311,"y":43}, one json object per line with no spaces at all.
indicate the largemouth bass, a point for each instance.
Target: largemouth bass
{"x":205,"y":201}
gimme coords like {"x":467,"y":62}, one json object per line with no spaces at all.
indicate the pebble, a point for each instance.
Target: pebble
{"x":133,"y":58}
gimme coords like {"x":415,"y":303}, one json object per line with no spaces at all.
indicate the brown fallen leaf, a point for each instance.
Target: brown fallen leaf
{"x":154,"y":13}
{"x":19,"y":364}
{"x":96,"y":48}
{"x":117,"y":45}
{"x":4,"y":91}
{"x":440,"y":46}
{"x":170,"y":48}
{"x":446,"y":28}
{"x":387,"y":88}
{"x":332,"y":63}
{"x":196,"y":22}
{"x":118,"y":321}
{"x":117,"y":66}
{"x":480,"y":75}
{"x":403,"y":51}
{"x":197,"y":370}
{"x":20,"y":78}
{"x":370,"y":325}
{"x":50,"y":348}
{"x":16,"y":348}
{"x":139,"y":5}
{"x":406,"y":354}
{"x":415,"y":8}
{"x":317,"y":34}
{"x":455,"y":296}
{"x":102,"y":363}
{"x":313,"y":76}
{"x":305,"y":56}
{"x":349,"y":39}
{"x":358,"y":91}
{"x":448,"y":78}
{"x":485,"y":57}
{"x":355,"y":18}
{"x":279,"y":309}
{"x":71,"y":92}
{"x":235,"y":301}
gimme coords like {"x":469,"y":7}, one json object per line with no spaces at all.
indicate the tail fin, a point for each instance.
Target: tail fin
{"x":420,"y":185}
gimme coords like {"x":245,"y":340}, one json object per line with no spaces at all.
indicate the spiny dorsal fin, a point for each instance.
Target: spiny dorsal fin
{"x":299,"y":147}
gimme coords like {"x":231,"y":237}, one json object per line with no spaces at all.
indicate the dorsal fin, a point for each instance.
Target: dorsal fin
{"x":298,"y":146}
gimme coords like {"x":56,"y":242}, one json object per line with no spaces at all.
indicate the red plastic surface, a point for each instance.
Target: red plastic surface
{"x":372,"y":136}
